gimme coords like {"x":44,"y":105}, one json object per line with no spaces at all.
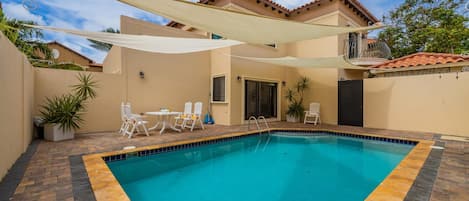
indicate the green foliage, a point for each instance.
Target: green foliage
{"x":295,"y":97}
{"x":67,"y":67}
{"x":67,"y":110}
{"x":426,"y":25}
{"x":86,"y":88}
{"x":63,"y":66}
{"x":64,"y":110}
{"x":26,"y":39}
{"x":103,"y":46}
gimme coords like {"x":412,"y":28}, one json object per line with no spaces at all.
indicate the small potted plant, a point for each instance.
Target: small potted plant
{"x":62,"y":115}
{"x":295,"y":98}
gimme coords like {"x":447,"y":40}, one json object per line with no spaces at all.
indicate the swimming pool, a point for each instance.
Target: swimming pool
{"x":279,"y":166}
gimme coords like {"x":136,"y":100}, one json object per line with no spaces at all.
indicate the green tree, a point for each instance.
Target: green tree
{"x":103,"y":46}
{"x":25,"y":39}
{"x":426,"y":25}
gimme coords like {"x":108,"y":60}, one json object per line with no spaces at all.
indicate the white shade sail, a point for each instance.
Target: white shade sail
{"x":156,"y":44}
{"x":240,"y":26}
{"x":326,"y":62}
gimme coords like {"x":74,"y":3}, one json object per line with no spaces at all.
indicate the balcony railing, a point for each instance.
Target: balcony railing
{"x":358,"y":49}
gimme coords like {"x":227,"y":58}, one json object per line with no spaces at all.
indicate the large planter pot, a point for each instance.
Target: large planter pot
{"x":53,"y":132}
{"x":292,"y":119}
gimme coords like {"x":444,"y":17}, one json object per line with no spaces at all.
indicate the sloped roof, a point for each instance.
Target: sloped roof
{"x":361,"y":10}
{"x":71,"y":50}
{"x":422,"y":59}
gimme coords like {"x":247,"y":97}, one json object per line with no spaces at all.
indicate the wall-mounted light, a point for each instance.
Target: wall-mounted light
{"x":142,"y":74}
{"x":284,"y":83}
{"x":239,"y":78}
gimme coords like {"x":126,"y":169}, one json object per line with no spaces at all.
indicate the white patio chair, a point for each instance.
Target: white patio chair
{"x":123,"y":128}
{"x":181,"y":120}
{"x":313,"y":114}
{"x":196,"y":117}
{"x":134,"y":121}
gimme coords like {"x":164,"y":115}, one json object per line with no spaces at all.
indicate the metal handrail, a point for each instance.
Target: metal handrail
{"x":361,"y":49}
{"x":265,"y":122}
{"x":255,"y":120}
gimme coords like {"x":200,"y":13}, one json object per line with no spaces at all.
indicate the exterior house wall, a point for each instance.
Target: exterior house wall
{"x":102,"y":114}
{"x":221,"y":66}
{"x":254,"y":7}
{"x":69,"y":56}
{"x":250,"y":70}
{"x":170,"y":79}
{"x":113,"y":62}
{"x":16,"y":87}
{"x":323,"y":82}
{"x":325,"y":9}
{"x":348,"y":18}
{"x":425,"y":103}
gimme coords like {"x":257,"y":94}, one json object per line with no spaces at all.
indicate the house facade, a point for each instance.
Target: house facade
{"x":64,"y":54}
{"x":235,"y":89}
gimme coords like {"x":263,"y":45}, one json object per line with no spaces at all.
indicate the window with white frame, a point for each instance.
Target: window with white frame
{"x":218,"y":89}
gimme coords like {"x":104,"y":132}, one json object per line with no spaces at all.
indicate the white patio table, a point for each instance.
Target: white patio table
{"x":164,"y":118}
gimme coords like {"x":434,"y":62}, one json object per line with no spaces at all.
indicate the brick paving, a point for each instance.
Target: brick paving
{"x":48,"y":174}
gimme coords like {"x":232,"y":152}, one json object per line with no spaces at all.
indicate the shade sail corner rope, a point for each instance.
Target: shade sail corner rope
{"x":155,"y":44}
{"x":250,"y":28}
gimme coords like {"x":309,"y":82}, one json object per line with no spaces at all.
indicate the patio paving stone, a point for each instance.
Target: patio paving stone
{"x":48,"y":174}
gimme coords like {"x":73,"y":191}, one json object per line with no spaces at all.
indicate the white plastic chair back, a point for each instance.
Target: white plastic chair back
{"x":314,"y":108}
{"x":198,"y":109}
{"x":123,"y":116}
{"x":188,"y":108}
{"x":127,"y":110}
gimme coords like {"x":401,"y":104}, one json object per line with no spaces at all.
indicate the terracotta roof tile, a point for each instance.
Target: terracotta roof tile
{"x":422,"y":59}
{"x":355,"y":3}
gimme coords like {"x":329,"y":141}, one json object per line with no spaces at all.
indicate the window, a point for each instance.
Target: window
{"x":218,"y":93}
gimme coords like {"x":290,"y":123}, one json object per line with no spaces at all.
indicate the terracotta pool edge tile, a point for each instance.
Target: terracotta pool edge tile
{"x":408,"y":168}
{"x":103,"y":183}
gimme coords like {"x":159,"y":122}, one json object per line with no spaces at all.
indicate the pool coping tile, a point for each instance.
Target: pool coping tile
{"x":394,"y":187}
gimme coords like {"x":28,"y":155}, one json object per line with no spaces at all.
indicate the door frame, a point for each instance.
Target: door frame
{"x":243,"y":95}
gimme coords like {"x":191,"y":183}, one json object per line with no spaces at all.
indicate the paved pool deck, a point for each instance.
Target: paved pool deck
{"x":54,"y":171}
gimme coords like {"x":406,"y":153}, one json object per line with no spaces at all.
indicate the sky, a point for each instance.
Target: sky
{"x":96,"y":15}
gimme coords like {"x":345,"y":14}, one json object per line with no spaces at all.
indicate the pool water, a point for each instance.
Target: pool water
{"x":263,"y":167}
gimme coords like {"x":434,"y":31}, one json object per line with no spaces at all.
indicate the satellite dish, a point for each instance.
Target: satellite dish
{"x":30,"y":4}
{"x":55,"y":53}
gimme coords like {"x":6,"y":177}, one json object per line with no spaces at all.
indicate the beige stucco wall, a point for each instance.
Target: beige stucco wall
{"x":249,"y":70}
{"x":323,"y":82}
{"x":221,"y":66}
{"x":102,"y":114}
{"x":424,"y":103}
{"x":16,"y":87}
{"x":113,"y":61}
{"x":170,"y":79}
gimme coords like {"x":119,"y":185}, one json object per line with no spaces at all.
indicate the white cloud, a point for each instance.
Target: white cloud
{"x":17,"y":11}
{"x":96,"y":15}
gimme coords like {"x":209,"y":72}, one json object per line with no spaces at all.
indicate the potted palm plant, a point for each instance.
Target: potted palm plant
{"x":62,"y":115}
{"x":295,"y":98}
